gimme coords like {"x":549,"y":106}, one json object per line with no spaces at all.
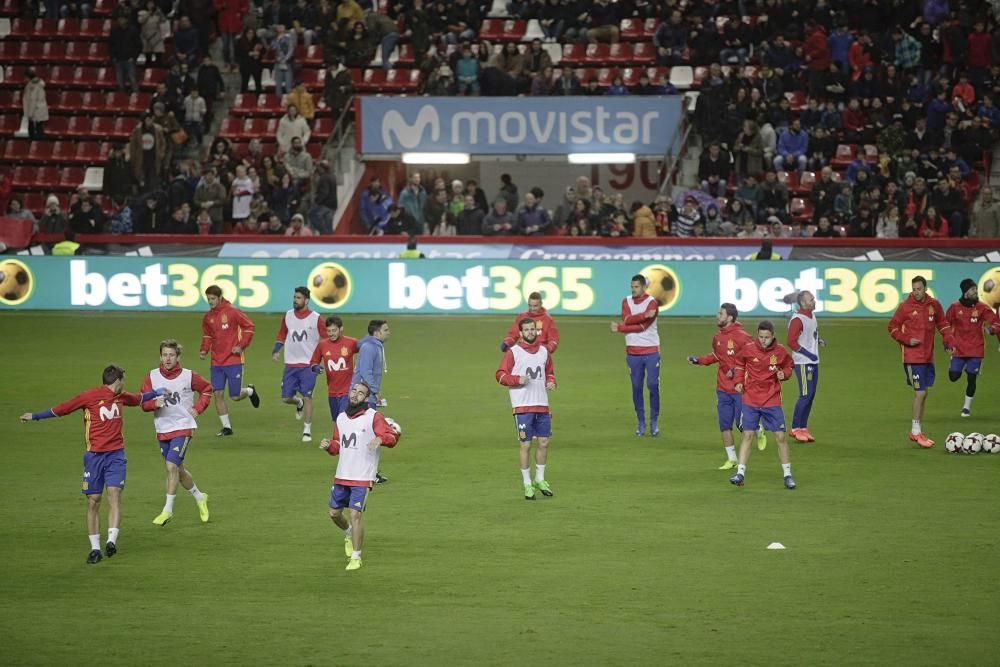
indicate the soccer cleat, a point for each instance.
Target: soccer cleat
{"x":225,"y":431}
{"x":307,"y":437}
{"x":298,"y":410}
{"x":640,"y":430}
{"x":203,"y":508}
{"x":529,"y":492}
{"x":800,"y":435}
{"x":348,"y":547}
{"x":162,"y":518}
{"x":922,"y":440}
{"x":354,"y":564}
{"x":254,"y":397}
{"x":110,"y":549}
{"x":654,"y":429}
{"x":761,"y":441}
{"x":94,"y":557}
{"x":728,"y":465}
{"x":380,"y":478}
{"x":736,"y":479}
{"x":809,"y":436}
{"x":543,"y":486}
{"x":966,"y":412}
{"x":789,"y":482}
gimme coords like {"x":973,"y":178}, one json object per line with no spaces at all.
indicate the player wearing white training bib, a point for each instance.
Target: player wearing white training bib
{"x":301,"y":331}
{"x":642,"y":352}
{"x":804,"y":343}
{"x":185,"y":396}
{"x":358,"y":437}
{"x":527,"y":371}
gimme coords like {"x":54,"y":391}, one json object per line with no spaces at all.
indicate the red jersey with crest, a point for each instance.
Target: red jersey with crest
{"x":967,"y":328}
{"x":757,"y":369}
{"x":725,"y":345}
{"x":918,"y":319}
{"x":548,"y":333}
{"x":225,"y":327}
{"x":337,"y":359}
{"x":102,"y":416}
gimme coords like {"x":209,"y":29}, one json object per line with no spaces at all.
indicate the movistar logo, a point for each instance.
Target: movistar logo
{"x":348,"y":441}
{"x":409,"y":135}
{"x":533,"y":373}
{"x":300,"y":336}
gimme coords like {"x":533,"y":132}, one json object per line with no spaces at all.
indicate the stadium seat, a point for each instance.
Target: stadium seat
{"x":103,"y":8}
{"x":56,"y":127}
{"x":15,"y":150}
{"x":845,"y":155}
{"x":630,"y":29}
{"x":11,"y":102}
{"x":4,"y":23}
{"x":64,"y":152}
{"x":644,"y":53}
{"x":40,"y":152}
{"x":573,"y":54}
{"x":311,"y":56}
{"x":532,"y":31}
{"x":88,"y":28}
{"x":102,"y":127}
{"x":231,"y":129}
{"x":322,"y":129}
{"x":61,"y":76}
{"x":45,"y":29}
{"x":121,"y":130}
{"x":796,"y":100}
{"x":21,"y":29}
{"x":619,"y":54}
{"x":496,"y":30}
{"x":68,"y":101}
{"x":93,"y":179}
{"x":801,"y":210}
{"x":630,"y":75}
{"x":649,"y":27}
{"x":93,"y":101}
{"x":151,"y":77}
{"x":52,"y":52}
{"x":138,"y":103}
{"x":402,"y":80}
{"x":596,"y":54}
{"x":405,"y":56}
{"x":78,"y":127}
{"x":80,"y":52}
{"x":244,"y":104}
{"x":871,"y":153}
{"x":372,"y":80}
{"x":605,"y":75}
{"x":91,"y":152}
{"x":10,"y":52}
{"x":804,"y":183}
{"x":24,"y":177}
{"x":70,"y":178}
{"x":681,"y":77}
{"x":313,"y":78}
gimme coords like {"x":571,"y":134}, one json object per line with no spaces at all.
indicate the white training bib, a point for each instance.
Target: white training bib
{"x":357,"y":462}
{"x":302,"y":339}
{"x":178,"y":400}
{"x":531,"y":364}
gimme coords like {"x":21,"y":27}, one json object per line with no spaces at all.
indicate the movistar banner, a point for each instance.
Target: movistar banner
{"x":472,"y":286}
{"x":521,"y":125}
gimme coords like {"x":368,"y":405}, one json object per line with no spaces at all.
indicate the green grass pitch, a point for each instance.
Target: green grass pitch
{"x":646,"y":555}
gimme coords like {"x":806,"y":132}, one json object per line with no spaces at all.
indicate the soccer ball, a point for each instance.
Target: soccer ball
{"x":953,"y":443}
{"x":331,"y":285}
{"x":15,"y":282}
{"x":973,"y":443}
{"x":661,"y":284}
{"x":394,"y":426}
{"x":991,"y":444}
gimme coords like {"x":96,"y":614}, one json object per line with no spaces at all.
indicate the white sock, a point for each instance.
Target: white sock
{"x":786,"y":469}
{"x":731,"y":452}
{"x":169,"y":505}
{"x":968,"y":402}
{"x":301,"y":404}
{"x":539,"y":472}
{"x":741,"y":469}
{"x":225,"y":420}
{"x":526,"y":475}
{"x":198,"y":495}
{"x":113,"y":535}
{"x":95,"y":542}
{"x":307,"y":427}
{"x":355,"y":555}
{"x":248,"y":391}
{"x":915,"y":429}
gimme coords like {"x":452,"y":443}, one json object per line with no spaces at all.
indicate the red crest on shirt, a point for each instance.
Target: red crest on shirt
{"x":344,"y":351}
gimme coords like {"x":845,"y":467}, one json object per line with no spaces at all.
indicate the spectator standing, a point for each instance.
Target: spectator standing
{"x":147,"y":149}
{"x":125,"y":46}
{"x":713,"y":170}
{"x":194,"y":115}
{"x":375,"y":205}
{"x":986,"y":216}
{"x":118,"y":177}
{"x":413,"y":198}
{"x":88,"y":219}
{"x":187,"y":42}
{"x":250,"y":50}
{"x":499,"y":220}
{"x":324,"y":198}
{"x":298,"y":163}
{"x":793,"y":148}
{"x":283,"y":47}
{"x":470,"y":221}
{"x":210,"y":195}
{"x":36,"y":108}
{"x":242,"y":191}
{"x":152,"y":23}
{"x":435,"y":207}
{"x":748,"y":149}
{"x":532,"y":218}
{"x":292,"y":126}
{"x":210,"y":84}
{"x":230,"y":15}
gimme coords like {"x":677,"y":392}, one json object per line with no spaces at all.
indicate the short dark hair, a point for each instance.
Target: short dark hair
{"x":534,"y":296}
{"x":731,"y":311}
{"x":798,"y":297}
{"x":112,"y":374}
{"x":765,"y":325}
{"x":919,"y":279}
{"x":303,"y":290}
{"x":363,"y":384}
{"x":213,"y":290}
{"x":639,"y":278}
{"x":333,"y":320}
{"x":374,"y":326}
{"x":172,"y":344}
{"x":526,"y":320}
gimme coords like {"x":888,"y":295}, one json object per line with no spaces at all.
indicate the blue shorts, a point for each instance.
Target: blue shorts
{"x":299,"y":379}
{"x":101,"y":469}
{"x":338,"y":404}
{"x":533,"y":425}
{"x":730,"y":408}
{"x":919,"y":376}
{"x":773,"y":418}
{"x":970,"y":365}
{"x":232,"y":374}
{"x":173,"y":450}
{"x":354,"y":497}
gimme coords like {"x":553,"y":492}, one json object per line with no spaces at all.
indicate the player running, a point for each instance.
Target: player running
{"x":227,"y":333}
{"x":358,"y":437}
{"x":527,"y":371}
{"x":548,"y":333}
{"x":185,"y":396}
{"x":761,"y":366}
{"x":804,"y":342}
{"x":335,"y":355}
{"x":642,"y":352}
{"x":730,"y":339}
{"x":104,"y":463}
{"x":300,"y":333}
{"x":967,"y":317}
{"x":912,"y":326}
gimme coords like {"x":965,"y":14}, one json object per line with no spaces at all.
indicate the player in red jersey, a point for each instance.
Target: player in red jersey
{"x":912,"y":326}
{"x":548,"y":333}
{"x":730,"y":339}
{"x":335,"y":355}
{"x":227,"y":333}
{"x":104,"y":462}
{"x":760,"y":368}
{"x":967,"y":317}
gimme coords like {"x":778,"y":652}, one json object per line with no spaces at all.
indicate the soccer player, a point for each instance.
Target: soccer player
{"x":912,"y":326}
{"x":527,"y":371}
{"x":185,"y":396}
{"x":358,"y":437}
{"x":761,"y":366}
{"x":299,"y":334}
{"x":804,"y":342}
{"x":104,"y":463}
{"x":642,"y":352}
{"x":227,"y":332}
{"x":730,"y":339}
{"x":967,"y":317}
{"x":335,"y":355}
{"x":548,"y":333}
{"x":370,"y":366}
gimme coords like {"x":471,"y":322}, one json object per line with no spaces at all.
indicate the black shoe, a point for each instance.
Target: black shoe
{"x":225,"y":431}
{"x":110,"y":549}
{"x":380,"y":479}
{"x":254,"y":398}
{"x":94,"y":557}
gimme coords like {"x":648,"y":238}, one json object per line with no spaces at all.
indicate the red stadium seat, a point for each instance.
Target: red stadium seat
{"x":871,"y":153}
{"x":244,"y":104}
{"x":406,"y":57}
{"x":64,"y":152}
{"x":11,"y":102}
{"x":69,"y":101}
{"x":40,"y":152}
{"x":322,"y":129}
{"x":573,"y":54}
{"x":649,"y":27}
{"x":315,"y":149}
{"x":503,"y":30}
{"x":606,"y":75}
{"x":845,"y":155}
{"x":231,"y":129}
{"x":619,"y":54}
{"x":16,"y":150}
{"x":9,"y":124}
{"x":21,"y":29}
{"x":801,"y":209}
{"x":122,"y":129}
{"x":91,"y":152}
{"x":805,"y":182}
{"x":71,"y":178}
{"x":78,"y":127}
{"x":53,"y":52}
{"x":644,"y":53}
{"x":93,"y":101}
{"x":313,"y":78}
{"x":78,"y":52}
{"x":796,"y":100}
{"x":47,"y":177}
{"x":93,"y":28}
{"x":311,"y":56}
{"x":596,"y":54}
{"x":630,"y":29}
{"x":10,"y":52}
{"x":24,"y":177}
{"x":45,"y":29}
{"x":61,"y":76}
{"x":56,"y":127}
{"x":102,"y":127}
{"x":371,"y":81}
{"x":401,"y":80}
{"x":151,"y":77}
{"x":103,"y":8}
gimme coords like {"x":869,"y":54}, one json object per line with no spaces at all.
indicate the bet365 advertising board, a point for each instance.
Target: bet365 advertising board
{"x":462,"y":286}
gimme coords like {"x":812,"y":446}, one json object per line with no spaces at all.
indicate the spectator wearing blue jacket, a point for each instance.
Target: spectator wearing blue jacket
{"x":840,"y":44}
{"x":370,"y":365}
{"x":375,"y":205}
{"x":793,"y":148}
{"x":532,"y":218}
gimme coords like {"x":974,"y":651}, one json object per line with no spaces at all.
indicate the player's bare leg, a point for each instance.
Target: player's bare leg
{"x":357,"y":539}
{"x":94,"y":527}
{"x":524,"y":457}
{"x":337,"y":516}
{"x":916,"y":432}
{"x":187,"y":481}
{"x":223,"y":410}
{"x":114,"y":519}
{"x":307,"y":416}
{"x":541,"y":456}
{"x":741,"y":467}
{"x":786,"y":463}
{"x":727,"y":442}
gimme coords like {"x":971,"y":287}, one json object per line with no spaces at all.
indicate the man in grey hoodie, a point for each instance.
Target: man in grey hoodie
{"x":370,"y":365}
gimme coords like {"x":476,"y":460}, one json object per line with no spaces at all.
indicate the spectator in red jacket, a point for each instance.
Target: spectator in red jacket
{"x":817,"y":53}
{"x":231,"y":14}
